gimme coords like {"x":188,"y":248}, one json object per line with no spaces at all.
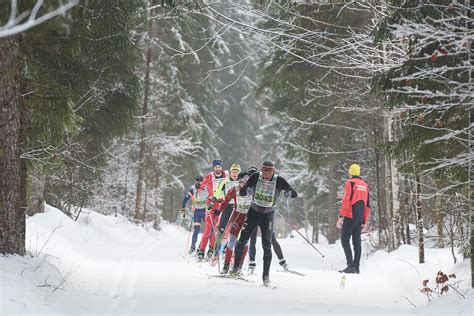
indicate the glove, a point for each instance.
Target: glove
{"x":213,"y":199}
{"x":182,"y":213}
{"x":209,"y":207}
{"x":339,"y":222}
{"x":287,"y":194}
{"x":216,"y":212}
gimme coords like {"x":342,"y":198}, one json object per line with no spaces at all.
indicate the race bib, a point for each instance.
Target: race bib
{"x":264,"y":195}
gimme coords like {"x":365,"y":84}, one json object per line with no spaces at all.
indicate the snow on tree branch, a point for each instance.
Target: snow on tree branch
{"x":22,"y":21}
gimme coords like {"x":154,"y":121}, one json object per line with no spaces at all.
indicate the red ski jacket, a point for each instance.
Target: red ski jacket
{"x":207,"y":182}
{"x":355,"y":202}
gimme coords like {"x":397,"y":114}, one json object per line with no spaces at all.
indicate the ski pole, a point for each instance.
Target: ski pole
{"x":189,"y":237}
{"x":215,"y":237}
{"x":294,"y":228}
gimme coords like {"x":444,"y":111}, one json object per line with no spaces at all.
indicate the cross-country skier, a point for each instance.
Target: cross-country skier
{"x":219,"y":196}
{"x":265,"y":188}
{"x":237,"y":219}
{"x":211,"y":182}
{"x":199,"y":208}
{"x":353,"y":217}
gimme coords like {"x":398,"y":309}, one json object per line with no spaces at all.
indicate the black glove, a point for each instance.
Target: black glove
{"x":209,"y":207}
{"x":182,"y":213}
{"x":291,"y":193}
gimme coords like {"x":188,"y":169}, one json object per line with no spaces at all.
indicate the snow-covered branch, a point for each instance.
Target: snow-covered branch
{"x":21,"y":21}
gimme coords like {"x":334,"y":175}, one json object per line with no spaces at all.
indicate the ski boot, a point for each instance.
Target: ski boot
{"x":266,"y":280}
{"x":251,"y":268}
{"x":236,"y":271}
{"x":191,"y":249}
{"x":200,"y":254}
{"x":349,"y":269}
{"x":210,"y":252}
{"x":225,"y":269}
{"x":283,"y":264}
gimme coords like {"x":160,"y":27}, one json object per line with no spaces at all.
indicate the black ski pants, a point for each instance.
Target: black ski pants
{"x":254,"y":220}
{"x":351,"y":228}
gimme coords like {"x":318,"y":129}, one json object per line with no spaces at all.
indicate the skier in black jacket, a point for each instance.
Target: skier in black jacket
{"x":265,"y":188}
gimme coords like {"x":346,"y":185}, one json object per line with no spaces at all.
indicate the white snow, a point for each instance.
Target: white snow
{"x":106,"y":265}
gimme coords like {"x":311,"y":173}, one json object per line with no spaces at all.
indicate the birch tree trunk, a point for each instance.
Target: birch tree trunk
{"x":439,"y":215}
{"x":395,"y":188}
{"x":419,"y":221}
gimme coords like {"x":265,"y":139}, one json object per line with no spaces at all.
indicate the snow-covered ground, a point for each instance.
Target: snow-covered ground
{"x":105,"y":265}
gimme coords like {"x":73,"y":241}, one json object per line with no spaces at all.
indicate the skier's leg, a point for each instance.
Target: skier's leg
{"x":250,"y":223}
{"x":252,"y":249}
{"x":225,"y":216}
{"x":229,"y":250}
{"x":346,"y":233}
{"x":236,"y":221}
{"x":356,"y":241}
{"x":223,"y":221}
{"x":279,"y":252}
{"x":266,"y":226}
{"x":214,"y":219}
{"x":246,"y":249}
{"x":206,"y":233}
{"x":197,"y":216}
{"x":277,"y":248}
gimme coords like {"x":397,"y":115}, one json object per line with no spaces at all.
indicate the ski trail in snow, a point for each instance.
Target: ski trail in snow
{"x":122,"y":269}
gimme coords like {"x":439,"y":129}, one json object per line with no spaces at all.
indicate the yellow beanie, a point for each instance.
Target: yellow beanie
{"x":354,"y":170}
{"x":235,"y":166}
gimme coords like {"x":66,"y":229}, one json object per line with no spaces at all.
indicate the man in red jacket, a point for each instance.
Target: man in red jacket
{"x":211,"y":182}
{"x":353,"y":217}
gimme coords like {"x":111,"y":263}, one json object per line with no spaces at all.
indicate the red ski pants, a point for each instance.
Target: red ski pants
{"x":235,"y":225}
{"x":209,"y":231}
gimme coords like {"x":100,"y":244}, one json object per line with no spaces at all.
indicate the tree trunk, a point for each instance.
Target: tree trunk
{"x":12,"y":215}
{"x":439,"y":214}
{"x":387,"y":132}
{"x":471,"y":165}
{"x":419,"y":221}
{"x":332,"y":213}
{"x":38,"y":181}
{"x":471,"y":188}
{"x":380,"y":181}
{"x":396,"y":220}
{"x":316,"y":227}
{"x":141,"y":154}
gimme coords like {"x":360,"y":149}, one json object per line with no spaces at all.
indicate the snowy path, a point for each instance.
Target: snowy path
{"x":119,"y":268}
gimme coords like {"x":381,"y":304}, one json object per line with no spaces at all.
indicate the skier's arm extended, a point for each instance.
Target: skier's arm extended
{"x":189,"y":195}
{"x":283,"y":185}
{"x":229,"y":196}
{"x":219,"y":193}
